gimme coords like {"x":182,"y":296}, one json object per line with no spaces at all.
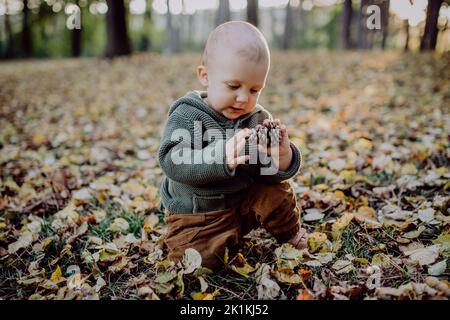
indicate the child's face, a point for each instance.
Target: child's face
{"x":233,"y":83}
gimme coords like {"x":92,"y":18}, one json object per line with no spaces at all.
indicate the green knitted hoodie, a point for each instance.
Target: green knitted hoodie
{"x":208,"y":186}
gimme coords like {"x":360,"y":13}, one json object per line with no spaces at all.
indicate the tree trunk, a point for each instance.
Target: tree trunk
{"x":9,"y":36}
{"x":363,"y":39}
{"x":431,"y":30}
{"x":76,"y":42}
{"x":384,"y":22}
{"x":273,"y":22}
{"x":118,"y":41}
{"x":223,"y":13}
{"x":302,"y":24}
{"x":288,"y":27}
{"x":146,"y":42}
{"x":406,"y":47}
{"x":27,"y":45}
{"x":346,"y":25}
{"x":252,"y":12}
{"x":76,"y":36}
{"x":173,"y":42}
{"x":191,"y":28}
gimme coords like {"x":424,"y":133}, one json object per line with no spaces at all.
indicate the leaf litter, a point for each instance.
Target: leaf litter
{"x":79,"y":181}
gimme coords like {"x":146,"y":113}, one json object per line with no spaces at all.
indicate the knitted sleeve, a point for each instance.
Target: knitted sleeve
{"x":186,"y":161}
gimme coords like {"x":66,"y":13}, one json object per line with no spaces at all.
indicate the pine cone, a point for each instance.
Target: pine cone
{"x":267,"y":134}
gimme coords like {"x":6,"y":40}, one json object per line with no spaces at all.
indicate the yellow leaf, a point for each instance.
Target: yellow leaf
{"x":203,"y":295}
{"x":288,"y":257}
{"x":321,"y":187}
{"x":338,"y":195}
{"x":382,"y":260}
{"x":362,"y":201}
{"x":119,"y":225}
{"x":287,"y":276}
{"x":348,"y":175}
{"x":56,"y":275}
{"x":69,"y":213}
{"x":133,"y":188}
{"x":140,"y":204}
{"x":409,"y":168}
{"x":38,"y":139}
{"x":226,"y":256}
{"x":150,"y":193}
{"x":240,"y":265}
{"x":99,"y":215}
{"x":150,"y":222}
{"x":362,"y":260}
{"x":338,"y":227}
{"x":316,"y":240}
{"x":442,"y":170}
{"x":367,"y":215}
{"x":362,"y":144}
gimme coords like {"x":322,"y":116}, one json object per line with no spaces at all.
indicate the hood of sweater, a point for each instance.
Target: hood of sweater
{"x":195,"y":99}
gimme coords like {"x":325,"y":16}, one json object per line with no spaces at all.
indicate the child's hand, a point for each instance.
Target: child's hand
{"x":233,"y":148}
{"x":281,"y":151}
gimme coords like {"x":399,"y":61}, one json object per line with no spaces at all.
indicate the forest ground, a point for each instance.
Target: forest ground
{"x":79,"y":180}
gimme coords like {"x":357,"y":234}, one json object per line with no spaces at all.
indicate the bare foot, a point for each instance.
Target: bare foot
{"x":300,"y":240}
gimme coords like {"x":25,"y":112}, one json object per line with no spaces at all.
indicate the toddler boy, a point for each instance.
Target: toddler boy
{"x":214,"y":192}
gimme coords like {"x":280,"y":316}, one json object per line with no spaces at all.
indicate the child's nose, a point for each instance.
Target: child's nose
{"x":242,"y":97}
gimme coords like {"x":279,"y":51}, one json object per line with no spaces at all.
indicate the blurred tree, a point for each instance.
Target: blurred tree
{"x":190,"y":30}
{"x":363,"y":32}
{"x":302,"y":17}
{"x":118,"y":42}
{"x":347,"y":16}
{"x":384,"y":6}
{"x":9,"y":35}
{"x":148,"y":23}
{"x":173,"y":42}
{"x":366,"y":35}
{"x":223,"y":13}
{"x":406,"y":47}
{"x":76,"y":35}
{"x":252,"y":12}
{"x":429,"y":38}
{"x":27,"y":44}
{"x":288,"y":27}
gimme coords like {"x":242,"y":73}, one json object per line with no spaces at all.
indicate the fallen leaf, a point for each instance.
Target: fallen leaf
{"x":438,"y":268}
{"x":288,"y":257}
{"x":266,"y":287}
{"x":316,"y":240}
{"x":305,"y":294}
{"x":343,"y":266}
{"x":339,"y":226}
{"x":24,"y":241}
{"x":368,"y":216}
{"x":192,"y":260}
{"x":240,"y":265}
{"x":426,"y":215}
{"x":312,"y":215}
{"x":424,"y":256}
{"x":119,"y":225}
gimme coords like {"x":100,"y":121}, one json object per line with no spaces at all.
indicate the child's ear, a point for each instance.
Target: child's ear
{"x":202,"y":75}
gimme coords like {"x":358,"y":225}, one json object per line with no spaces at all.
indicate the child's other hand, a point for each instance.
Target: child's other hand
{"x":281,"y":151}
{"x":233,"y":148}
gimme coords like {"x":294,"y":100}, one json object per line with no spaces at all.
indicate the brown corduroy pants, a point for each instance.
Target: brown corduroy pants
{"x":271,"y":206}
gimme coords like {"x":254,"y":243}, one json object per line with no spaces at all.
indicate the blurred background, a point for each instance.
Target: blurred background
{"x":59,"y":28}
